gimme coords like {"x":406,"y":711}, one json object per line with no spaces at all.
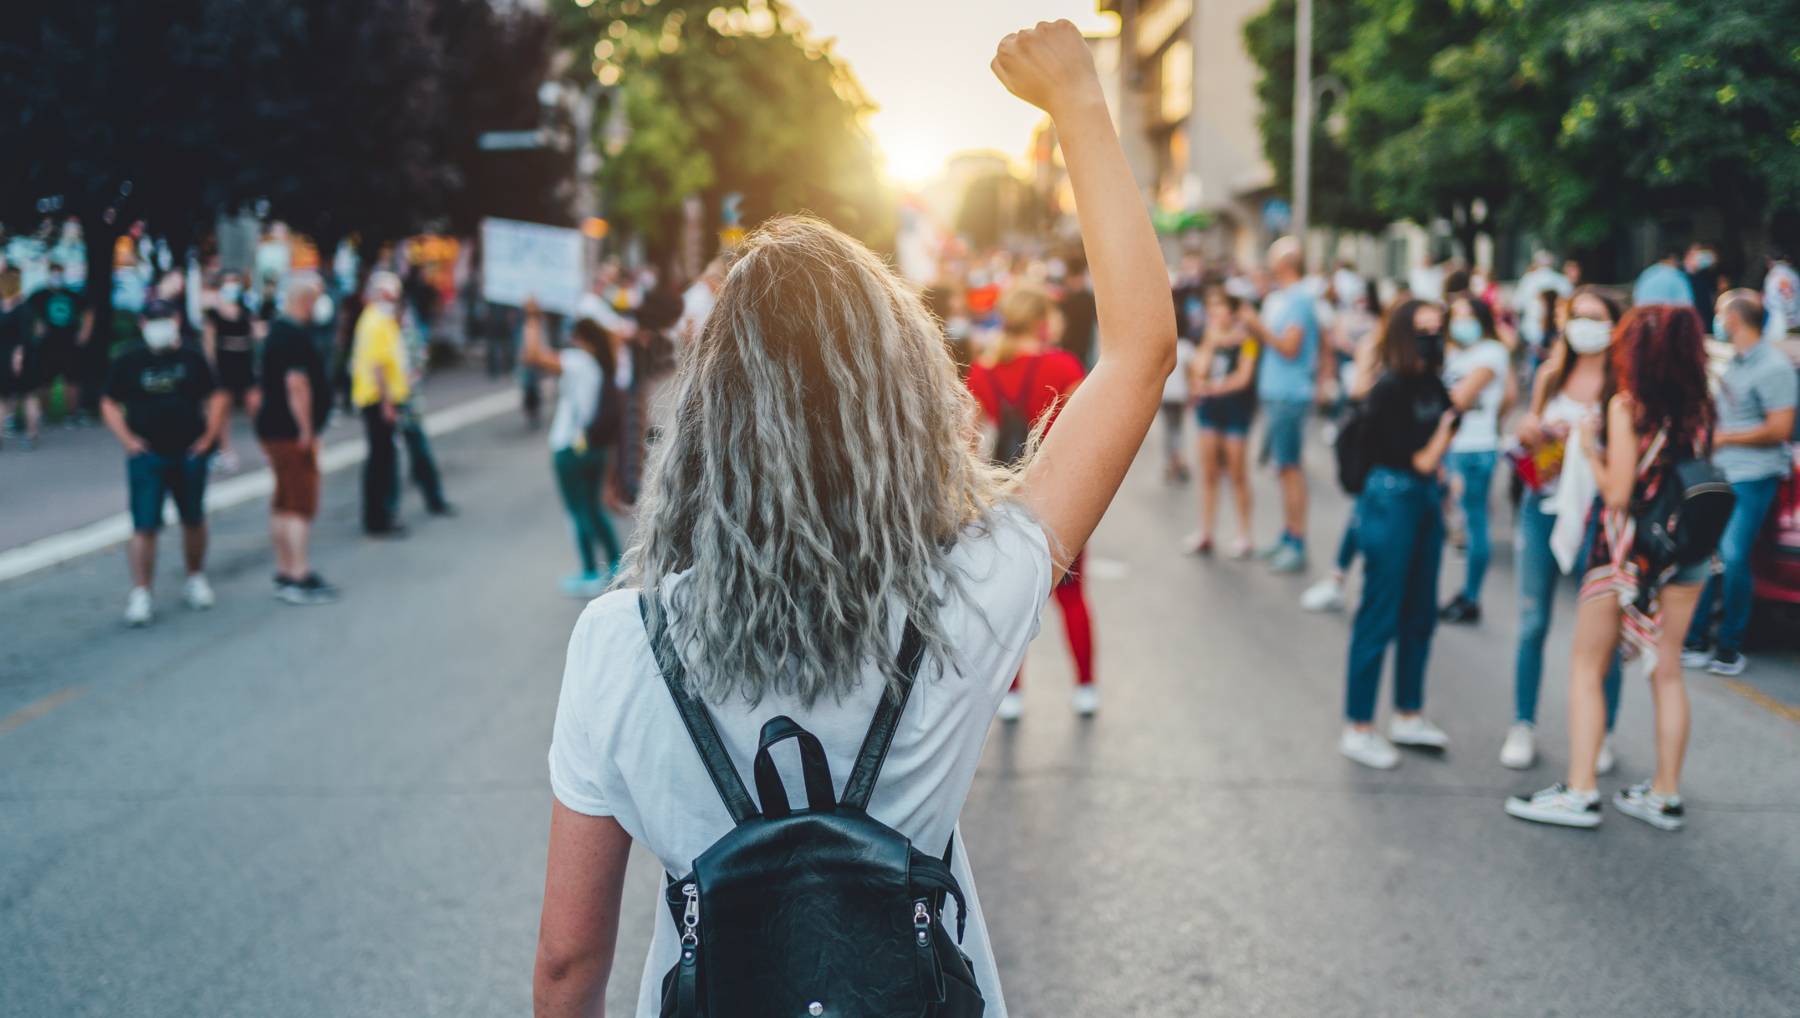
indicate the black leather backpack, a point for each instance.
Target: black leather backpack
{"x":813,"y":912}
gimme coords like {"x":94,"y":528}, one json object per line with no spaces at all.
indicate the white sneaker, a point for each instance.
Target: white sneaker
{"x":1414,"y":730}
{"x":226,"y":462}
{"x":1327,"y":595}
{"x":1519,"y":751}
{"x":1086,"y":700}
{"x":1604,"y":763}
{"x":1558,"y":805}
{"x":1696,"y":658}
{"x":1662,"y":812}
{"x":1011,"y":706}
{"x":138,"y":611}
{"x":1367,"y":747}
{"x":197,"y":593}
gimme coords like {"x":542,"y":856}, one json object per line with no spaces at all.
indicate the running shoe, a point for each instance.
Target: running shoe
{"x":1012,"y":705}
{"x":1199,"y":544}
{"x":1519,"y":751}
{"x":1086,"y":700}
{"x":1327,"y":595}
{"x":1696,"y":655}
{"x":1413,"y":730}
{"x":1725,"y":662}
{"x":138,"y":611}
{"x":1607,"y":760}
{"x":1558,"y":805}
{"x":1288,"y":560}
{"x":1367,"y":747}
{"x":1460,"y":611}
{"x":1242,"y":549}
{"x":1663,"y":812}
{"x":197,"y":593}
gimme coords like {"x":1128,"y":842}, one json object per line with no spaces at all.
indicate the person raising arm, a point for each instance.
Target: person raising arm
{"x":1081,"y":464}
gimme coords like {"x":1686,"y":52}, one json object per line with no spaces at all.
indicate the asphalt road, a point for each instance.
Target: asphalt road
{"x":341,"y":811}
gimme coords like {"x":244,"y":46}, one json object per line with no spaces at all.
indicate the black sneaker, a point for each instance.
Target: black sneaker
{"x":1461,"y":611}
{"x":1725,"y":662}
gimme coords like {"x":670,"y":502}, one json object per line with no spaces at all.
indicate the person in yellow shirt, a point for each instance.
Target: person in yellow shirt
{"x":379,"y":388}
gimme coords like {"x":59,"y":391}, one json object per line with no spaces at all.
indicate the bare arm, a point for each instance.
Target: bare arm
{"x":299,"y":394}
{"x":1777,"y":425}
{"x":114,"y":416}
{"x":1469,"y":389}
{"x":1615,"y":467}
{"x":583,"y":882}
{"x":1084,"y":458}
{"x":537,"y":353}
{"x":1426,"y":460}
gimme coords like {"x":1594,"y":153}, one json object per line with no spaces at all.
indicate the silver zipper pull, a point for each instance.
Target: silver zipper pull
{"x":690,"y":919}
{"x":922,"y":922}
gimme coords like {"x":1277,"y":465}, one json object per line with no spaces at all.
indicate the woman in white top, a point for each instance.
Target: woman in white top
{"x":1476,"y":367}
{"x":819,"y":488}
{"x":1566,"y":391}
{"x":584,"y":371}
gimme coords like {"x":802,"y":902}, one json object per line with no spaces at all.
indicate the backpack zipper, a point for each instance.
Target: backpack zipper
{"x":690,"y":919}
{"x":922,"y":922}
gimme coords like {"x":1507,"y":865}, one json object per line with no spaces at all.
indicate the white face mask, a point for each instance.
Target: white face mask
{"x":1587,"y":335}
{"x":230,"y":292}
{"x":322,"y":309}
{"x":162,"y":334}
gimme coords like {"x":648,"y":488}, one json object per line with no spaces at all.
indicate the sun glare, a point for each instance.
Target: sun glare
{"x":913,"y":157}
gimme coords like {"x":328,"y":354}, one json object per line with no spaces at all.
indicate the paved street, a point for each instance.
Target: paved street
{"x":341,"y":810}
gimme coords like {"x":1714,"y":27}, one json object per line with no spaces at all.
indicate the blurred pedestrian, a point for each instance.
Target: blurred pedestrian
{"x":1567,"y":390}
{"x":295,"y":404}
{"x":583,"y":431}
{"x":378,"y":387}
{"x":1476,"y":370}
{"x":790,"y":599}
{"x":230,"y":336}
{"x":1409,"y":423}
{"x":162,"y":405}
{"x":1701,"y":263}
{"x":1781,"y":294}
{"x":1285,"y":385}
{"x":1663,"y":282}
{"x":1021,"y":389}
{"x":65,"y":324}
{"x":1658,"y":414}
{"x":1755,"y":401}
{"x":1528,"y":298}
{"x":1222,"y":379}
{"x":1077,"y":312}
{"x":21,"y":361}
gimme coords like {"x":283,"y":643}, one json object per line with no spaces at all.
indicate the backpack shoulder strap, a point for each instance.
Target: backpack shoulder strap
{"x":1023,"y":397}
{"x":694,"y":717}
{"x":887,"y":718}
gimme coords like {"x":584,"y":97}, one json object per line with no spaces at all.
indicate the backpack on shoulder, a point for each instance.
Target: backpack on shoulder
{"x":1681,"y":524}
{"x":608,"y":422}
{"x":817,"y":911}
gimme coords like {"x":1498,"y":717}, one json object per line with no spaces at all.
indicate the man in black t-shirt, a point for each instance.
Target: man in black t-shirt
{"x":296,"y":399}
{"x":63,"y":323}
{"x":163,"y":406}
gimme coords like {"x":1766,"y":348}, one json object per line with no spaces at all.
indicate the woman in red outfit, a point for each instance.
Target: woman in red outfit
{"x":1020,"y":388}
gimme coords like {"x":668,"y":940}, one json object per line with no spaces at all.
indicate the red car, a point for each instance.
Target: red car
{"x":1776,"y":565}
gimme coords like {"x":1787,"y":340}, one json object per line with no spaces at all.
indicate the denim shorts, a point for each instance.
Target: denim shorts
{"x":1228,"y":421}
{"x":1285,"y":432}
{"x":153,"y":477}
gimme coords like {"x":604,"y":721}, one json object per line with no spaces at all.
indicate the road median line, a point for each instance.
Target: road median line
{"x":234,"y":491}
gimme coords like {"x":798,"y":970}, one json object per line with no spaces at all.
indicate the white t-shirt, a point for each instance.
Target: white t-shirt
{"x":619,"y":748}
{"x":1480,"y":431}
{"x":1527,"y":299}
{"x":577,"y":397}
{"x":1175,"y":387}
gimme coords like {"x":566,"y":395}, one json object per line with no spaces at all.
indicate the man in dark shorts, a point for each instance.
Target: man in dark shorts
{"x":21,"y":365}
{"x":162,"y":405}
{"x":296,"y":400}
{"x":231,"y":333}
{"x":63,"y":325}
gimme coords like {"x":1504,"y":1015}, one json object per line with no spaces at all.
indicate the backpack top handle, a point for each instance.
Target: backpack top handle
{"x":769,"y":789}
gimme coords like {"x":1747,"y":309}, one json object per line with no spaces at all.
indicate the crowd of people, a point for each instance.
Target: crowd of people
{"x":1444,"y":397}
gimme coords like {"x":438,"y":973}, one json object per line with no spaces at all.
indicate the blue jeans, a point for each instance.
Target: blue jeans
{"x":1400,"y":532}
{"x":1477,"y":472}
{"x":1754,"y":498}
{"x":152,"y":478}
{"x":1538,"y":579}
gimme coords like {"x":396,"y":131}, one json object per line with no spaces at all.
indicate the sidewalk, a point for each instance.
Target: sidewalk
{"x":76,"y":477}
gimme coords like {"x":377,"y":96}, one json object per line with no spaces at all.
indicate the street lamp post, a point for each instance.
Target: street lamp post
{"x":1303,"y":118}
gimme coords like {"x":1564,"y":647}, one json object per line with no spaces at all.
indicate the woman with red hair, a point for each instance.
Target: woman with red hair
{"x":1658,"y":413}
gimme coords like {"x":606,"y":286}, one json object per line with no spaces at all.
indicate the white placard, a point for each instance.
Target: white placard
{"x":520,"y":260}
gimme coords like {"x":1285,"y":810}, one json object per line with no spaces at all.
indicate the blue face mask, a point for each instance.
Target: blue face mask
{"x":1719,"y":329}
{"x":1466,"y":331}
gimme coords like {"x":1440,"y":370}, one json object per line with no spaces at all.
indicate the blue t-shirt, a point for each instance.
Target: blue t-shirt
{"x":1756,"y":383}
{"x":1290,"y":379}
{"x":1662,"y":284}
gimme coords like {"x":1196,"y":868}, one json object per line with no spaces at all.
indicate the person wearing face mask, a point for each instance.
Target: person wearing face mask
{"x":295,"y":406}
{"x":1023,"y":381}
{"x":162,"y":405}
{"x":65,"y":325}
{"x":1566,"y":391}
{"x":1410,"y":421}
{"x":1755,"y":399}
{"x":229,"y":337}
{"x":1475,"y":371}
{"x":1701,"y":263}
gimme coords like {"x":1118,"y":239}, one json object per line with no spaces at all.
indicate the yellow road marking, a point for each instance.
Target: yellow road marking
{"x":38,"y":708}
{"x":1741,"y":688}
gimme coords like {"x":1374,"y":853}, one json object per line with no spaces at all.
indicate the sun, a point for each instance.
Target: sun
{"x":913,"y":157}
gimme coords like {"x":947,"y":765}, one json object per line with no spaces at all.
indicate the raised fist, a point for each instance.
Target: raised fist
{"x":1049,"y":67}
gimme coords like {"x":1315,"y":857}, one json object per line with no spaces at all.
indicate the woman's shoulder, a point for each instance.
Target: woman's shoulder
{"x":1008,"y":549}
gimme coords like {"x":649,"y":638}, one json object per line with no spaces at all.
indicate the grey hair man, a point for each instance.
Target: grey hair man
{"x":296,"y":402}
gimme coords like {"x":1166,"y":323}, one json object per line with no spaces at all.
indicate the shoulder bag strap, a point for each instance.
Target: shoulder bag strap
{"x":1023,"y":399}
{"x":699,"y":724}
{"x":887,"y":718}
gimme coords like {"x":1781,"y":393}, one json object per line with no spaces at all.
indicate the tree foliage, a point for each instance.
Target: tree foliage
{"x":728,"y":99}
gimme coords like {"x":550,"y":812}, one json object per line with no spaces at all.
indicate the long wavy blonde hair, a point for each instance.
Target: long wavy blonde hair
{"x":820,"y":467}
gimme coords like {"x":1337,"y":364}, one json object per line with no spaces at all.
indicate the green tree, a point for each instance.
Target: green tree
{"x":727,"y":99}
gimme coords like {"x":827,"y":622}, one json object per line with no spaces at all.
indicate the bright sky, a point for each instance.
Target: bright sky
{"x":925,"y":64}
